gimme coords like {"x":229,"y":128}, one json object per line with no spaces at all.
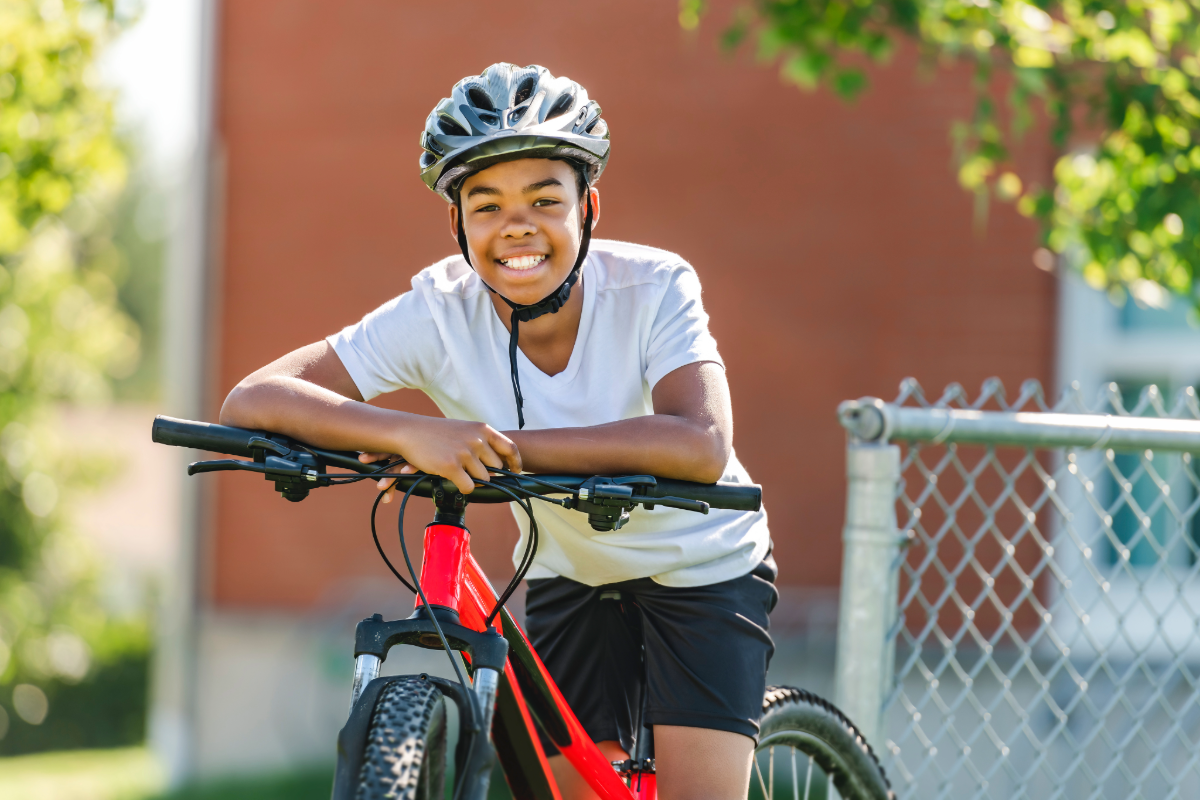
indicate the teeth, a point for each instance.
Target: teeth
{"x":522,"y":262}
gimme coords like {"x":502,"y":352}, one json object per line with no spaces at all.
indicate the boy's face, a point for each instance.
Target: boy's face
{"x":524,"y":220}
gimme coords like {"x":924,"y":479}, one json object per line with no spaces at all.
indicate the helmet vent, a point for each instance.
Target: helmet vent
{"x":561,"y":106}
{"x":429,"y":143}
{"x":598,"y":127}
{"x":479,"y":98}
{"x":428,"y":160}
{"x":450,"y":126}
{"x":525,"y":89}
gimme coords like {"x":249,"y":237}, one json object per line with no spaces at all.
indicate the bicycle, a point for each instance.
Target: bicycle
{"x":394,"y":743}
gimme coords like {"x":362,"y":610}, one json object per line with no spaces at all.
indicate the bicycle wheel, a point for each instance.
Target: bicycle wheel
{"x":804,"y":744}
{"x":405,"y":757}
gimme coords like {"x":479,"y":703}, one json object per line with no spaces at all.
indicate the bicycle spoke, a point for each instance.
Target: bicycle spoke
{"x":761,"y":782}
{"x":795,"y":777}
{"x":771,"y":774}
{"x":808,"y":778}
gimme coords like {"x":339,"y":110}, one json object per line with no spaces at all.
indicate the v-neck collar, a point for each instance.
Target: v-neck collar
{"x":526,"y":367}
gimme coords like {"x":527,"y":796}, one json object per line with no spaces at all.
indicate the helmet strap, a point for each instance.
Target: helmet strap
{"x":551,"y":304}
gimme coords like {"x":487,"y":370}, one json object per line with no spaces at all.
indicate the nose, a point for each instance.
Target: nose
{"x":517,"y":225}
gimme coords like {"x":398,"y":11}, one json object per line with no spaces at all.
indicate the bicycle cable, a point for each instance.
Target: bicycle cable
{"x":379,"y":547}
{"x":462,"y":682}
{"x":472,"y":700}
{"x":522,"y":569}
{"x":530,"y":549}
{"x":339,"y":479}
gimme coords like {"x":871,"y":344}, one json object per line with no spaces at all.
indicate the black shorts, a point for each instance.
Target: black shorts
{"x":706,"y":651}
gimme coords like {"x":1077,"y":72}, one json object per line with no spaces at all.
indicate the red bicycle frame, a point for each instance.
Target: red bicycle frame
{"x":452,"y":578}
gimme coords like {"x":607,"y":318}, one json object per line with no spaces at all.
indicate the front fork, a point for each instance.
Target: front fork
{"x":485,"y":683}
{"x":366,"y":669}
{"x":446,"y":547}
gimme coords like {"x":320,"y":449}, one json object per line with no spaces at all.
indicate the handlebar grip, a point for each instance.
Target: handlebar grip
{"x":203,"y":436}
{"x":733,"y":496}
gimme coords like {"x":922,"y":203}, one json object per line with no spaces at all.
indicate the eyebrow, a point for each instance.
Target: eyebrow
{"x":533,"y":187}
{"x":482,"y":190}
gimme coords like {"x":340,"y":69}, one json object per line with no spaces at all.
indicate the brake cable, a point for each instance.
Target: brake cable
{"x":526,"y":563}
{"x":420,"y":591}
{"x":379,"y":547}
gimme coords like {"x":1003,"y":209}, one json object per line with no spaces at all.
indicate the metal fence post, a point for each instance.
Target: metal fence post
{"x":867,"y":606}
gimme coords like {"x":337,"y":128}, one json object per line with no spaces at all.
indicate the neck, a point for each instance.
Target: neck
{"x":549,"y":327}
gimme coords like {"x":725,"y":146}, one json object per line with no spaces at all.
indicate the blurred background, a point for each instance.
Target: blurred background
{"x":190,"y":189}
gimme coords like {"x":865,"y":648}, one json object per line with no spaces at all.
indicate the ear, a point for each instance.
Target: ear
{"x":453,"y":221}
{"x":595,"y":194}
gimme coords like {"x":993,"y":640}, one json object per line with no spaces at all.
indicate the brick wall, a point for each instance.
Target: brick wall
{"x":835,"y":246}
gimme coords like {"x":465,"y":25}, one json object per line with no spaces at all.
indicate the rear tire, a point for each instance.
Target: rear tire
{"x":798,"y":726}
{"x":405,"y":757}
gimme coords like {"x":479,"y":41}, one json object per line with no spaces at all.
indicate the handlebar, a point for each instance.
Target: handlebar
{"x":300,"y":466}
{"x":203,"y":436}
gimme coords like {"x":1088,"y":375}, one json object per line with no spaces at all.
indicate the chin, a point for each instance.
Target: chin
{"x":527,"y":297}
{"x":524,"y":292}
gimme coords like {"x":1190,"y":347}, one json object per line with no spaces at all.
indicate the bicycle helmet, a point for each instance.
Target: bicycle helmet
{"x":510,"y":112}
{"x":505,"y":113}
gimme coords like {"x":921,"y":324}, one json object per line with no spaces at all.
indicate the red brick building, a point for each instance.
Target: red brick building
{"x":836,"y":249}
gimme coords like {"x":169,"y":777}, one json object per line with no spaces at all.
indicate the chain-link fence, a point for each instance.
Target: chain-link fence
{"x":1020,"y":603}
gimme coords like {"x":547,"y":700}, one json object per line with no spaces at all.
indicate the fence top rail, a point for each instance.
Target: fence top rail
{"x":872,"y":420}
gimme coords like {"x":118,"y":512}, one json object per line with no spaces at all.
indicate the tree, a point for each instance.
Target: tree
{"x":62,"y":334}
{"x":1127,"y":72}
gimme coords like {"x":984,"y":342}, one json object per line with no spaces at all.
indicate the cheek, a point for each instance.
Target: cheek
{"x":479,"y":236}
{"x":563,"y":232}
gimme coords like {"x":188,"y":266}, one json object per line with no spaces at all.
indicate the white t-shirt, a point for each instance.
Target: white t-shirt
{"x":642,"y":319}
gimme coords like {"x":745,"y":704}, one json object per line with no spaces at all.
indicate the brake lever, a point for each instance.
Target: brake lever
{"x":698,"y":506}
{"x":272,"y":465}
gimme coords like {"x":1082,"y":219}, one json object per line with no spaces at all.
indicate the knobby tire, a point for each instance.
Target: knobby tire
{"x":799,"y":719}
{"x":405,"y":757}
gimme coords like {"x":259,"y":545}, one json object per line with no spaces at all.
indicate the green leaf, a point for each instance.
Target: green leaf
{"x":849,"y":83}
{"x":805,"y":69}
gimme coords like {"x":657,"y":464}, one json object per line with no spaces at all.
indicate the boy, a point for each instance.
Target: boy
{"x":592,"y":358}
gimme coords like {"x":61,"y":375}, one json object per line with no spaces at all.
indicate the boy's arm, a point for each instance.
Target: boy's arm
{"x":689,"y":436}
{"x":309,"y":395}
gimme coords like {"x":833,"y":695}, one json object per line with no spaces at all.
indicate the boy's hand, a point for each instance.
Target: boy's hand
{"x":453,"y":449}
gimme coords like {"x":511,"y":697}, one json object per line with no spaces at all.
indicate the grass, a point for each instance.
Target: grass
{"x":132,"y":773}
{"x":129,"y":773}
{"x":307,"y":785}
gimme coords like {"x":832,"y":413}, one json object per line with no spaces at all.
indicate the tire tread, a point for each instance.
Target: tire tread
{"x":405,"y":754}
{"x":778,"y":698}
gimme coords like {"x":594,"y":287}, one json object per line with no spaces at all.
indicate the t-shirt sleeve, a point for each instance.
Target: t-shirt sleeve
{"x":679,"y":333}
{"x":396,"y":346}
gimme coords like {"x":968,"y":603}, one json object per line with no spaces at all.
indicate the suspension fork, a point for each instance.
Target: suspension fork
{"x":446,"y":546}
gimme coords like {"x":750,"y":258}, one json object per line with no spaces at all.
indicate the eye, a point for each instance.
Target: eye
{"x":545,"y":201}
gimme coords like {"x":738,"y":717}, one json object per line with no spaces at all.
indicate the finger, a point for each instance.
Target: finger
{"x":461,"y":480}
{"x":477,"y":470}
{"x":506,"y":448}
{"x":487,"y":456}
{"x":388,"y":487}
{"x":371,"y":458}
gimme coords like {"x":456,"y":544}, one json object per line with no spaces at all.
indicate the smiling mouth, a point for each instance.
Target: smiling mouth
{"x":522,"y":262}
